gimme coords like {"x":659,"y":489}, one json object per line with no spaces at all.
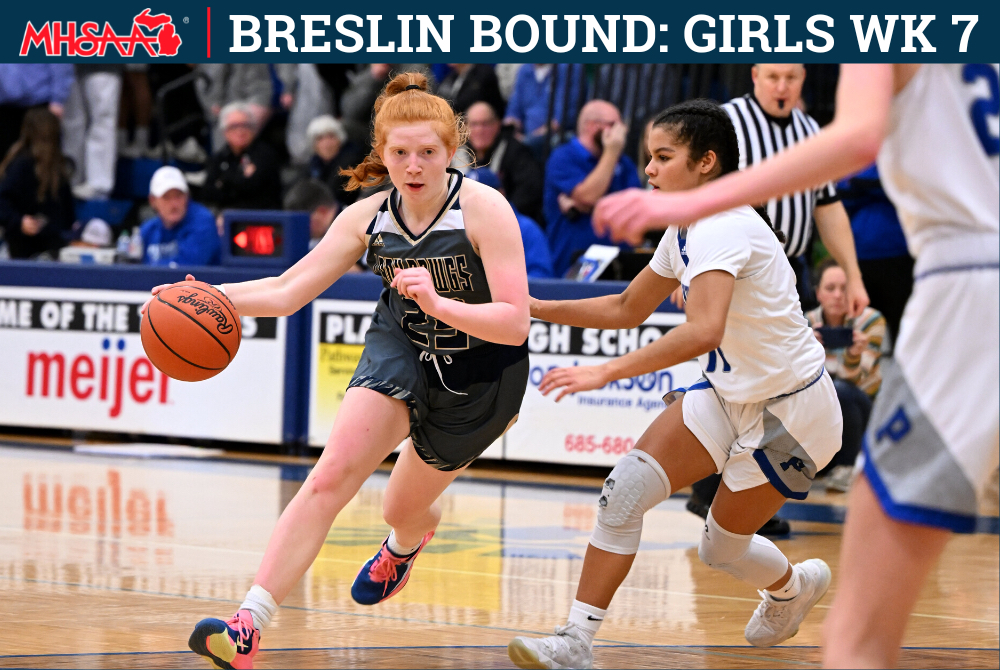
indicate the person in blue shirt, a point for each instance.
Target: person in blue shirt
{"x":885,"y":262}
{"x":528,"y":107}
{"x":183,"y":232}
{"x":536,"y":248}
{"x":578,"y":174}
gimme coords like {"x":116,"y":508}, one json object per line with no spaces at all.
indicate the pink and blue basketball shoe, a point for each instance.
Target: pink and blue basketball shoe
{"x":227,"y":644}
{"x":385,"y":574}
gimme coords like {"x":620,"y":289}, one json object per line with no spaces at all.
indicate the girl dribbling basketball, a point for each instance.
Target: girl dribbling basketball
{"x":445,"y":360}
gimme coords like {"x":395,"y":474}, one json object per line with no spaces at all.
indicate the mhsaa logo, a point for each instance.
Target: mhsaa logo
{"x":155,"y":33}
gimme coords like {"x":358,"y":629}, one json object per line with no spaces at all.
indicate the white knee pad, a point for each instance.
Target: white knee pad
{"x":636,"y":484}
{"x":750,"y":558}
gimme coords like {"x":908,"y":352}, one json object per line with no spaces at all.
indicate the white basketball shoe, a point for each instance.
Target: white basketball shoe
{"x":777,"y":620}
{"x":566,"y":649}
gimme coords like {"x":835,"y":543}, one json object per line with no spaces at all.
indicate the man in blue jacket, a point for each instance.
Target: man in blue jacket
{"x":183,"y":232}
{"x":578,"y":174}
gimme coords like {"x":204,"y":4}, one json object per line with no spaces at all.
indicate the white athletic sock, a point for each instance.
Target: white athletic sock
{"x":398,"y":549}
{"x":261,"y":605}
{"x":587,"y":618}
{"x":789,"y":590}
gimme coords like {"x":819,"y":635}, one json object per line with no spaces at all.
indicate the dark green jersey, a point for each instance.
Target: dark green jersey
{"x":446,"y":252}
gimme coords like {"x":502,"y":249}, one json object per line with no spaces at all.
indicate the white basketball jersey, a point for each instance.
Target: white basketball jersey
{"x":768,"y":348}
{"x":938,"y":163}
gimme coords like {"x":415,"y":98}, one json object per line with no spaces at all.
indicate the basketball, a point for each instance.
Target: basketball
{"x":191,"y":331}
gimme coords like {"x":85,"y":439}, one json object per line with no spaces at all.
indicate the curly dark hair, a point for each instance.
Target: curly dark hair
{"x":703,"y":125}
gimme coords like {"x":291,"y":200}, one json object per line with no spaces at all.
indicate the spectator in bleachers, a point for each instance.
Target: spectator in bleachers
{"x":312,"y":98}
{"x":358,"y":98}
{"x":315,"y":197}
{"x":36,"y":205}
{"x":90,"y":125}
{"x":332,"y":150}
{"x":135,"y":111}
{"x":95,"y":234}
{"x":182,"y":112}
{"x":27,"y":85}
{"x":506,"y":76}
{"x":182,"y":232}
{"x":536,"y":249}
{"x":244,"y":173}
{"x":885,"y":262}
{"x":854,"y":368}
{"x":528,"y":107}
{"x":578,"y":174}
{"x":225,"y":83}
{"x":509,"y":159}
{"x":468,"y":83}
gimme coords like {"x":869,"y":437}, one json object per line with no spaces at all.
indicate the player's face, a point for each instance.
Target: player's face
{"x":778,"y":88}
{"x":416,"y":159}
{"x":832,"y":293}
{"x":670,"y":167}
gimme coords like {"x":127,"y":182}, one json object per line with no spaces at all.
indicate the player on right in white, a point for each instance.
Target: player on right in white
{"x":932,"y":441}
{"x":765,"y":416}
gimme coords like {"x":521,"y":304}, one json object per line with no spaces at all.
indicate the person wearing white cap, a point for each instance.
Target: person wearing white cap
{"x":182,"y":232}
{"x":96,"y":233}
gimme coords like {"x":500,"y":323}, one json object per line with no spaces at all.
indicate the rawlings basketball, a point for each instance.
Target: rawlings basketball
{"x":190,"y":331}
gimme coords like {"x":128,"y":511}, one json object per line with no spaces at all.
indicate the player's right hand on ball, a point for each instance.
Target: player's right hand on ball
{"x":157,"y":289}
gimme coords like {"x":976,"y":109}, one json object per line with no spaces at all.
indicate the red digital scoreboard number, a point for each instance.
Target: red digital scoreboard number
{"x":256,"y":240}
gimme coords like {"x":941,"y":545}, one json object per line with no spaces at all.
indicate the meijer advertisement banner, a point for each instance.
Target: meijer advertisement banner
{"x":72,"y":359}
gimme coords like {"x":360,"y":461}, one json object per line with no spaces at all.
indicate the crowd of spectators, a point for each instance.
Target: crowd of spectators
{"x":252,"y":136}
{"x":257,"y":136}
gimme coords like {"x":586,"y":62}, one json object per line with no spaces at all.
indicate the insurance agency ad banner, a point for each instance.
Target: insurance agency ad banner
{"x":594,"y":427}
{"x":72,"y":358}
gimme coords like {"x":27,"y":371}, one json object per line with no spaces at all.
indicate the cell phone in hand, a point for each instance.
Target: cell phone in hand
{"x":836,"y":337}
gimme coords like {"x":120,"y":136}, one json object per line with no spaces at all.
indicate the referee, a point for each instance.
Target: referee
{"x":767,"y":122}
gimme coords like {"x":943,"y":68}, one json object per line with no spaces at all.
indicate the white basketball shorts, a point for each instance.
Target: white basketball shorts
{"x":784,"y":440}
{"x":931,"y":445}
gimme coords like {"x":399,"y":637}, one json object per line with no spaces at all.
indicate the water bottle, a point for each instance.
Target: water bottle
{"x":135,"y":247}
{"x":121,"y":249}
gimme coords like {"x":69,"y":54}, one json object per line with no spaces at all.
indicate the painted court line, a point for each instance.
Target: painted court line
{"x":470,"y":573}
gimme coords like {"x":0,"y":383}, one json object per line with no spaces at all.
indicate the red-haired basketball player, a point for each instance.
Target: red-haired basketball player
{"x":445,"y":360}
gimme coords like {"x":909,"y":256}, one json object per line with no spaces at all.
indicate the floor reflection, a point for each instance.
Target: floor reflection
{"x":102,"y":555}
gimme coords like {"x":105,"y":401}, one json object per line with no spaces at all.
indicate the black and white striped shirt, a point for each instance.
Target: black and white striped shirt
{"x":762,"y":136}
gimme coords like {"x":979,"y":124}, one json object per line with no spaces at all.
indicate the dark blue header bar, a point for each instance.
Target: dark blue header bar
{"x":577,"y":32}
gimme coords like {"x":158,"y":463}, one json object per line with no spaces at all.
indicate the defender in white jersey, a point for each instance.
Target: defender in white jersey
{"x":932,"y":443}
{"x":765,"y":415}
